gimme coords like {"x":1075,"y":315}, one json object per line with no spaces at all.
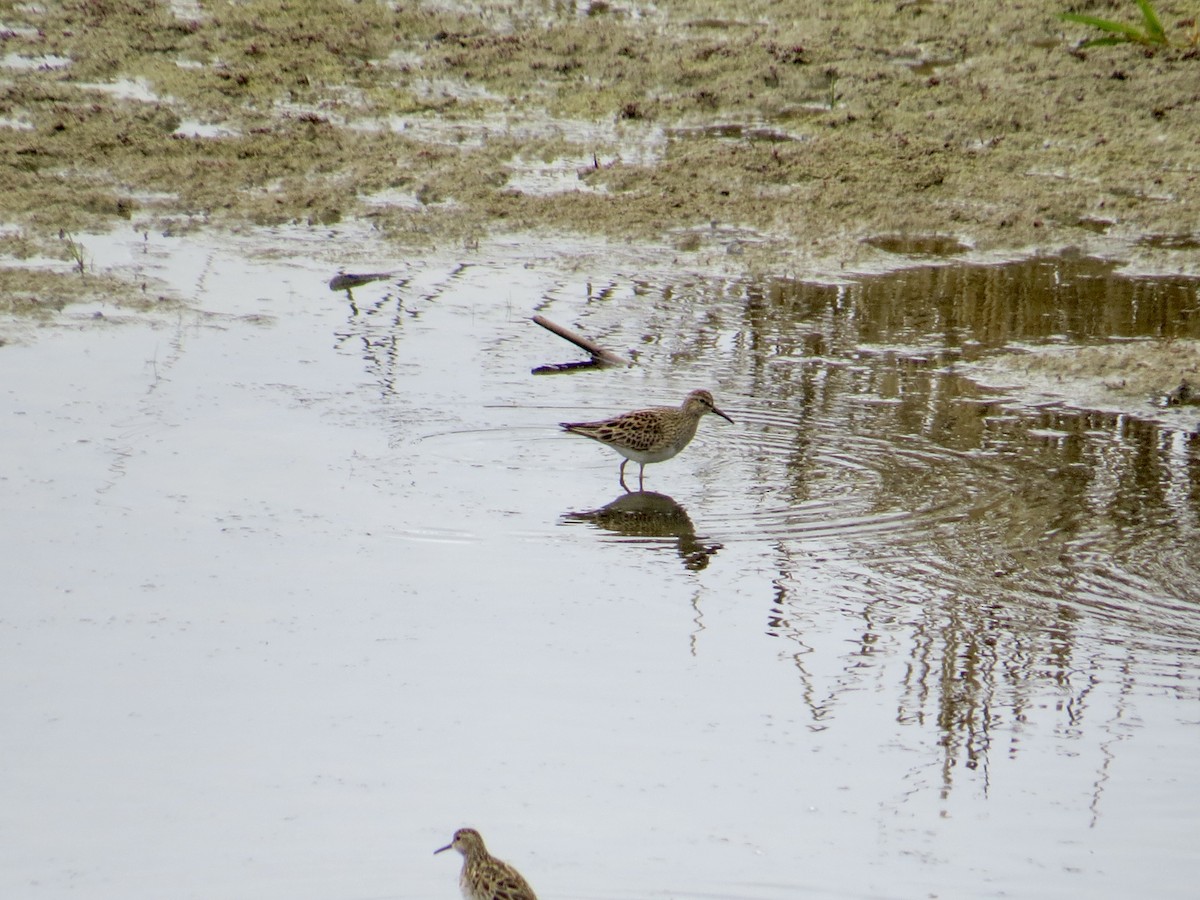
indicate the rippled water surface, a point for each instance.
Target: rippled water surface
{"x":301,"y":580}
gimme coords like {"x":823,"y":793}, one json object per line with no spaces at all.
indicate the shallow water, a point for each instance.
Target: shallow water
{"x":303,"y":580}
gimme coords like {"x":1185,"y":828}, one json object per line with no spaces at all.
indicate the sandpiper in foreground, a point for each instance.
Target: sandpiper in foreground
{"x":650,"y":435}
{"x":483,"y":876}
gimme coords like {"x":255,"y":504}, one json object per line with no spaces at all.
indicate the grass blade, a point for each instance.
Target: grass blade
{"x":1103,"y":24}
{"x":1126,"y":32}
{"x":1105,"y":42}
{"x":1154,"y":29}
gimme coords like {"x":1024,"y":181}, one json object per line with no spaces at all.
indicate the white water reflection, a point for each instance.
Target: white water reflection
{"x":302,"y":580}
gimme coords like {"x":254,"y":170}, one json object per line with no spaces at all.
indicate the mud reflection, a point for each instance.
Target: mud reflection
{"x":1004,"y":546}
{"x":373,"y":329}
{"x":645,"y":514}
{"x":1073,"y":298}
{"x":1070,"y":561}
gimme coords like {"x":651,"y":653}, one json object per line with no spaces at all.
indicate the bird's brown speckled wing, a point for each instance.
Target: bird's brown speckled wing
{"x":638,"y":430}
{"x":642,"y":430}
{"x":509,"y":885}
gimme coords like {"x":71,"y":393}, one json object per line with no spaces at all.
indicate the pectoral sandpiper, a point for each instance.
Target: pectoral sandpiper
{"x":650,"y":435}
{"x":483,"y":876}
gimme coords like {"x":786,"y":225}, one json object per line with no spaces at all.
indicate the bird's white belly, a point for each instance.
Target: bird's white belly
{"x":650,"y":456}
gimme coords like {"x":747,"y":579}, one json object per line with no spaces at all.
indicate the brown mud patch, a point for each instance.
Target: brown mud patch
{"x":810,"y":140}
{"x":980,"y":121}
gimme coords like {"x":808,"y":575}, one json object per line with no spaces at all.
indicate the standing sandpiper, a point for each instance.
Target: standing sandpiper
{"x":483,"y":876}
{"x":650,"y":435}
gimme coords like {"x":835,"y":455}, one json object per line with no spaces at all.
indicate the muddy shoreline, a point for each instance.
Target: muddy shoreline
{"x":753,"y":138}
{"x":809,"y":129}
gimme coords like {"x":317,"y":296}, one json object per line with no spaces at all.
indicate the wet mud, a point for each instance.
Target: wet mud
{"x":812,"y":128}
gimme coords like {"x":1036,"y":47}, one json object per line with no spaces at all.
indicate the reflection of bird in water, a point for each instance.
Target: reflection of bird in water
{"x":650,"y":435}
{"x":643,"y":514}
{"x":483,"y":876}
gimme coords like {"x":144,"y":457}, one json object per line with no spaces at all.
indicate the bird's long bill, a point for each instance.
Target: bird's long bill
{"x":443,"y":849}
{"x":722,"y":415}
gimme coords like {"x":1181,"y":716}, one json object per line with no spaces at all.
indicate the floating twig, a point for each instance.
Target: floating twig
{"x":345,"y":281}
{"x":599,"y":355}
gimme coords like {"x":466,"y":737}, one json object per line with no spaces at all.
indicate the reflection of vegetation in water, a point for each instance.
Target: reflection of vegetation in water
{"x":373,"y":332}
{"x":1078,"y":299}
{"x":976,"y":309}
{"x":1058,"y":525}
{"x":997,"y":544}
